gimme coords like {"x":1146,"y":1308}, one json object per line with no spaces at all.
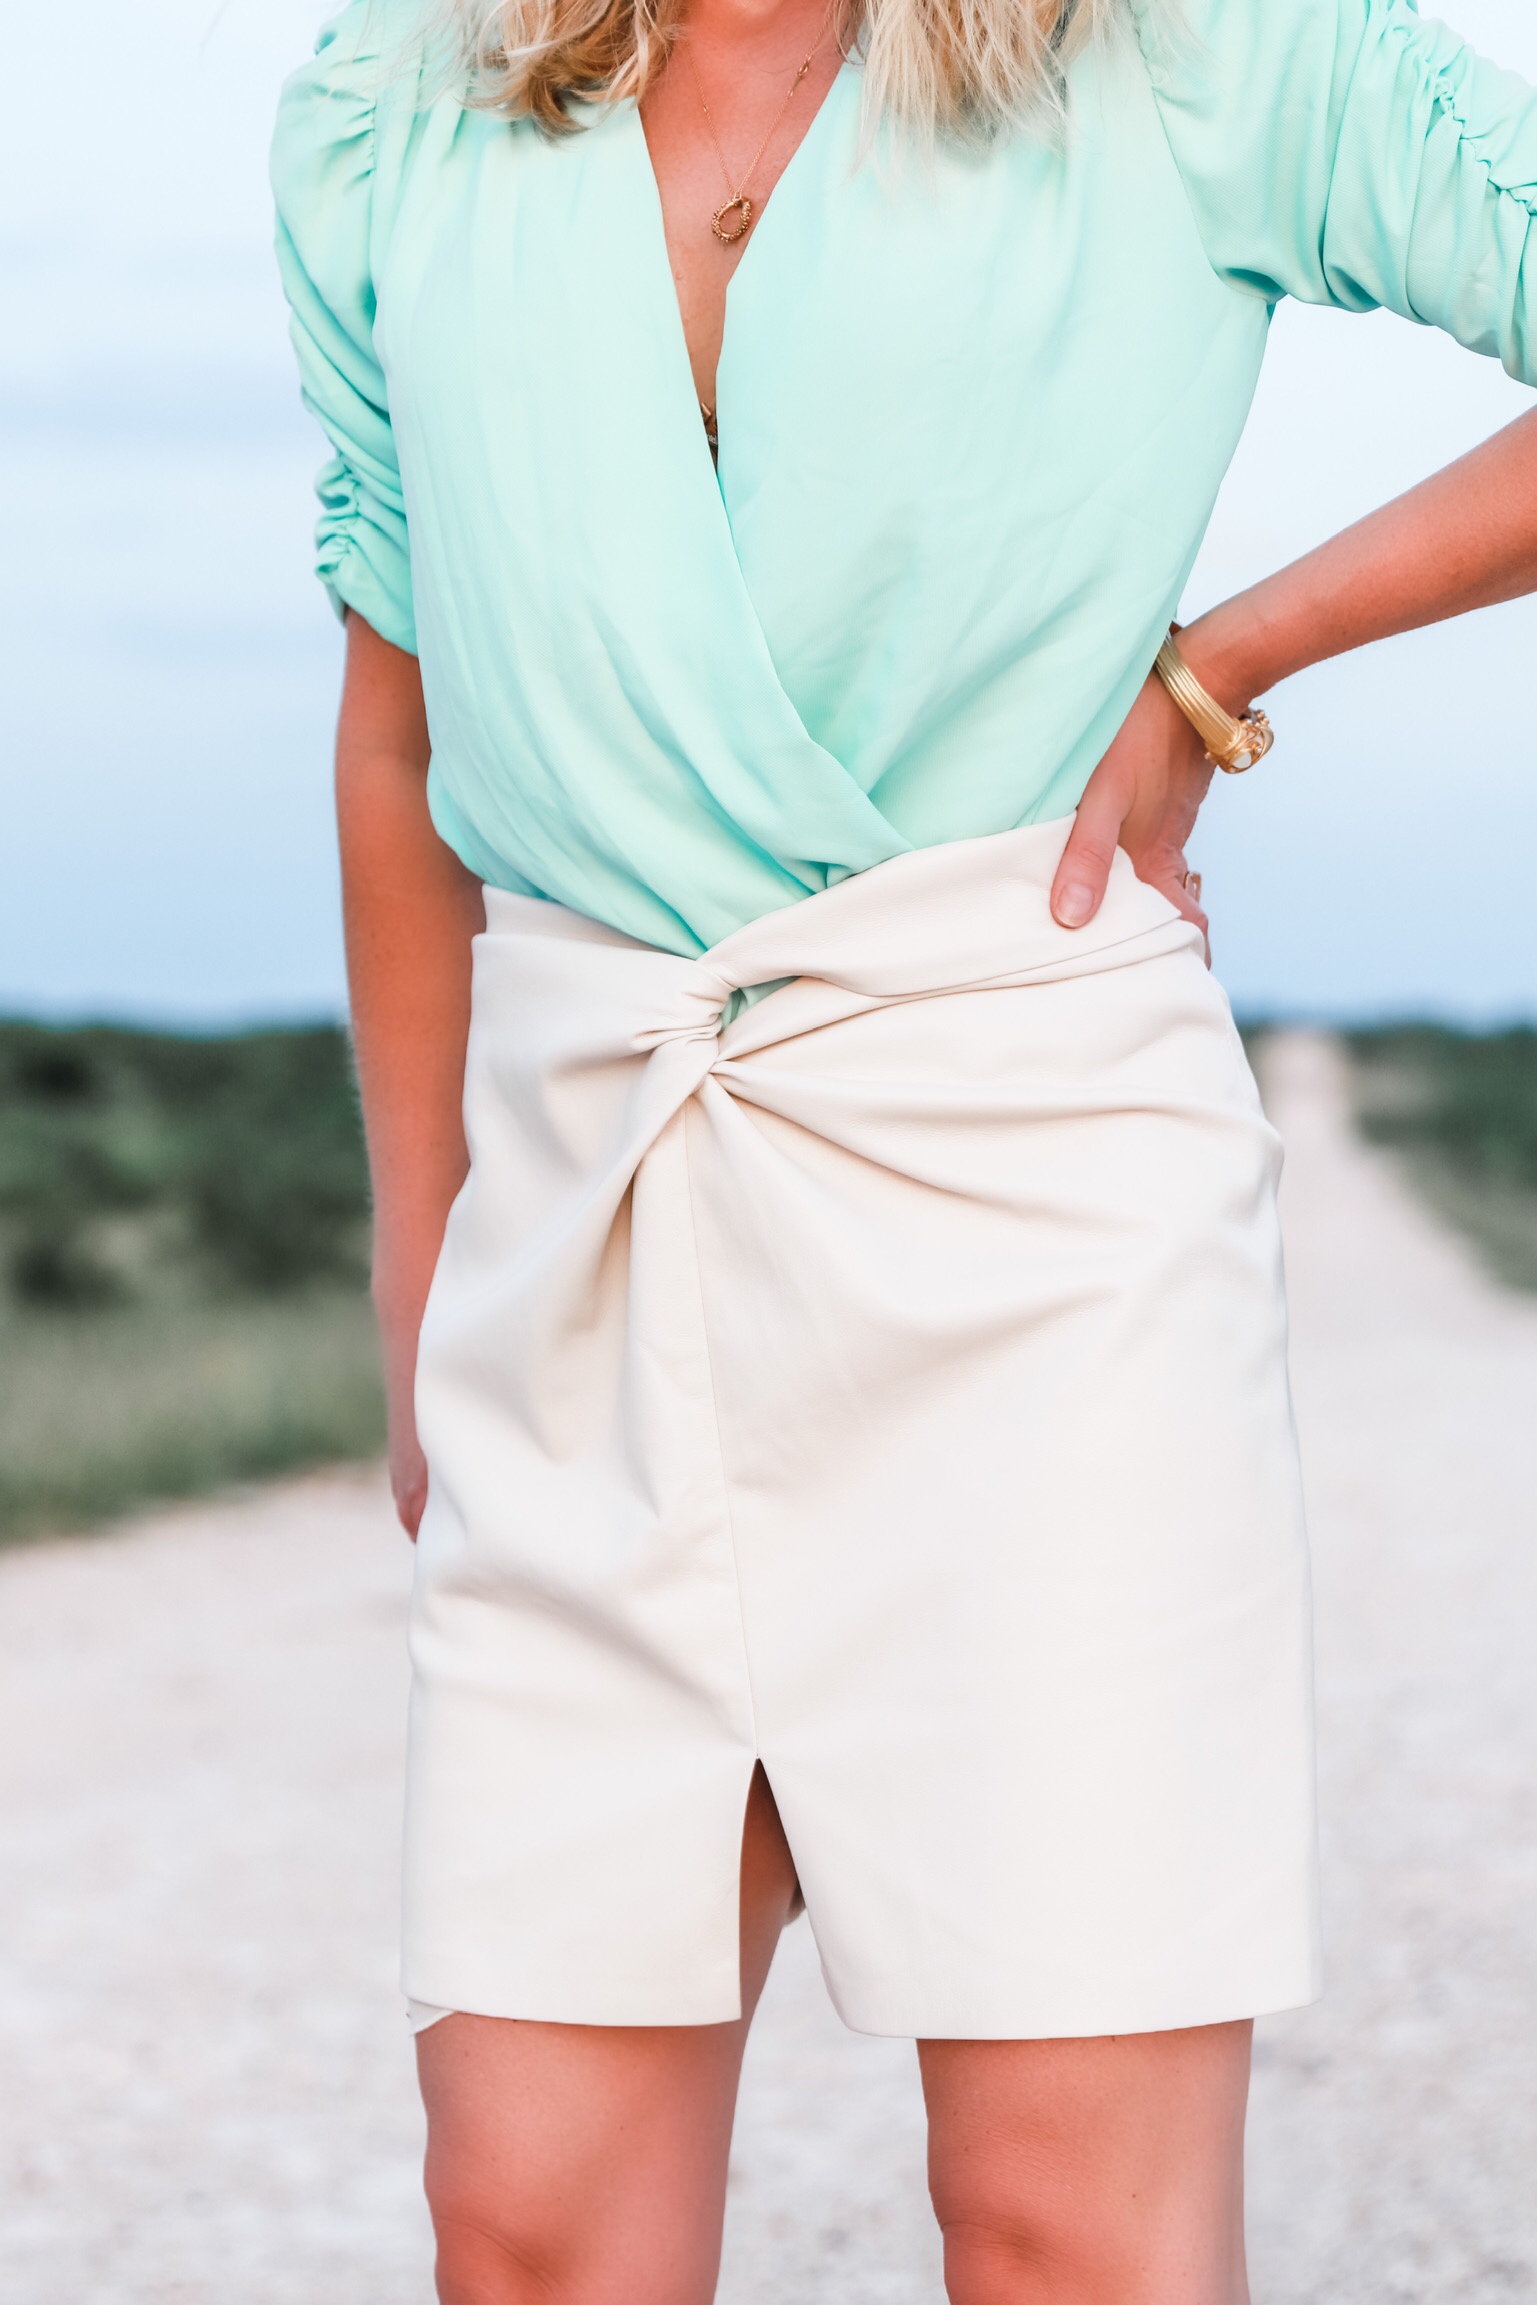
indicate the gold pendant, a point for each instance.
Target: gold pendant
{"x":741,"y":209}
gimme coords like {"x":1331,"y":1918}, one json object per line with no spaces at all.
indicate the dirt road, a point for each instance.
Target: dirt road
{"x":208,"y":2095}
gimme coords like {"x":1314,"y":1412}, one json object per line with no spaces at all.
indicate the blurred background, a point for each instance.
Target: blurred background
{"x":183,"y":1199}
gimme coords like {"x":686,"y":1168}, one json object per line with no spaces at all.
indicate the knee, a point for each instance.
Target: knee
{"x":1055,"y":2222}
{"x":1049,"y":2236}
{"x":485,"y":2257}
{"x":505,"y":2242}
{"x":1020,"y":2246}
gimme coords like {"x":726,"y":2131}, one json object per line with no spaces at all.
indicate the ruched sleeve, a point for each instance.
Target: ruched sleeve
{"x":323,"y":180}
{"x":1346,"y":152}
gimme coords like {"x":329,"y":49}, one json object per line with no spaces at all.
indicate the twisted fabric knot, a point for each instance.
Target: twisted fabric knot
{"x":701,"y":996}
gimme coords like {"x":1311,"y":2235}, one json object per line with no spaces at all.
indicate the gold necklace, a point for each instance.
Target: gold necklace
{"x":739,"y":208}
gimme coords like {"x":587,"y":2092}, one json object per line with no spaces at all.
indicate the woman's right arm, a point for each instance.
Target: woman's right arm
{"x":411,"y":909}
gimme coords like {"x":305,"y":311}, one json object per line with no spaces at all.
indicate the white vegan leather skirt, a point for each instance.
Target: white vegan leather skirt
{"x":885,"y":1379}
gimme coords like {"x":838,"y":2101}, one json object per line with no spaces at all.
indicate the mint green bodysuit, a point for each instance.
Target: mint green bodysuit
{"x":973,"y":416}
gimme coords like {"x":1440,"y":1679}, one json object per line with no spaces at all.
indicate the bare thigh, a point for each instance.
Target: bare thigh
{"x":1095,"y":2172}
{"x":587,"y":2163}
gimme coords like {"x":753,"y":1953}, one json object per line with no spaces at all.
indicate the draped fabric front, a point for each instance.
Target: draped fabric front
{"x":889,"y":1385}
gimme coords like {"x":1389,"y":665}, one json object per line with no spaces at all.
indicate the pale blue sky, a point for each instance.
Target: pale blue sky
{"x":170,"y":669}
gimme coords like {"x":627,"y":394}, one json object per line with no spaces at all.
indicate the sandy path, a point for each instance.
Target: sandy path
{"x":1394,"y":2140}
{"x":207,"y":2089}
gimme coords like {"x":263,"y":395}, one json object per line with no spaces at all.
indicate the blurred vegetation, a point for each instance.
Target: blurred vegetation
{"x":183,"y":1260}
{"x":1461,"y":1109}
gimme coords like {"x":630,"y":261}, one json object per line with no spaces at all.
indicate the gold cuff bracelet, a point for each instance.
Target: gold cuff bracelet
{"x":1231,"y":744}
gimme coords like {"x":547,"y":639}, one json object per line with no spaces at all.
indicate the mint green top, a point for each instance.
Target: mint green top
{"x":972,"y":416}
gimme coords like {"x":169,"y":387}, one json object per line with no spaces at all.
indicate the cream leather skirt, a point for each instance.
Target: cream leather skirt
{"x":884,"y":1378}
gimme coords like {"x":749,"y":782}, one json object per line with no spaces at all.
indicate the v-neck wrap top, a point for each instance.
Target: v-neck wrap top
{"x":973,"y":413}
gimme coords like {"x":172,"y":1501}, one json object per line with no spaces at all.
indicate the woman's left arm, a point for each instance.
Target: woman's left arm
{"x":1463,"y":539}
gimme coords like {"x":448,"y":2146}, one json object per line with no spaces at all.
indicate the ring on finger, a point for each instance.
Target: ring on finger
{"x":1190,"y":882}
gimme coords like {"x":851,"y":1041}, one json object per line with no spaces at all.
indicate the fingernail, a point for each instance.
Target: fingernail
{"x":1074,"y":905}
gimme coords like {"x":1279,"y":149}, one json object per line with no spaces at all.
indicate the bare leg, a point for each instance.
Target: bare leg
{"x":1097,"y":2172}
{"x":586,"y":2164}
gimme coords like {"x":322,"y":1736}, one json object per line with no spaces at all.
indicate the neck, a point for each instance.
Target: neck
{"x":746,"y":26}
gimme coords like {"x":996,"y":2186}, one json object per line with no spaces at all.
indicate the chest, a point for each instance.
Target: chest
{"x":1033,"y":294}
{"x":1018,"y":363}
{"x":717,"y":160}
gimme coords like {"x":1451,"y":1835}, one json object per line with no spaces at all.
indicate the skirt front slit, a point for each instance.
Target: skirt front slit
{"x":887,"y":1384}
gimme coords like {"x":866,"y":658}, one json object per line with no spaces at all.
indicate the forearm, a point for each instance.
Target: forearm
{"x":1463,"y":539}
{"x":410,"y":910}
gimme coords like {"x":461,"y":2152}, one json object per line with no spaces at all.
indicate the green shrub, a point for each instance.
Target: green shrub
{"x":127,"y":1158}
{"x":1469,"y":1096}
{"x":1461,"y":1108}
{"x":183,"y":1255}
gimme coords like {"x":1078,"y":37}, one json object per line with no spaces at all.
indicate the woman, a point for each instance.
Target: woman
{"x":854,"y":1460}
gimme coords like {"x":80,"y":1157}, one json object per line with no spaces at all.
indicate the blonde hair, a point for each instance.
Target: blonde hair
{"x":967,"y":68}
